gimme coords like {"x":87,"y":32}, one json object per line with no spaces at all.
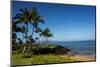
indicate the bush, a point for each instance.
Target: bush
{"x":48,"y":50}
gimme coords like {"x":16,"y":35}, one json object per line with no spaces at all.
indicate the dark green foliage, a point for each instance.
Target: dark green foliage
{"x":60,"y":50}
{"x":47,"y":50}
{"x":30,"y":44}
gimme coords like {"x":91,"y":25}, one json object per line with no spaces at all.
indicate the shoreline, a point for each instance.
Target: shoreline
{"x":83,"y":57}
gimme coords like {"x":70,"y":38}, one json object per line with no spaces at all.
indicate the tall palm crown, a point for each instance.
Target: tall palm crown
{"x":36,"y":18}
{"x":23,"y":16}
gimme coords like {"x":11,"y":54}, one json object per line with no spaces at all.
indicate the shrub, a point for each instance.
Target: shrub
{"x":48,"y":50}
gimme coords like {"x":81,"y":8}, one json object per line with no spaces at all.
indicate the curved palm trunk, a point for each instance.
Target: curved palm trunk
{"x":23,"y":45}
{"x":24,"y":50}
{"x":26,"y":39}
{"x":27,"y":34}
{"x":29,"y":43}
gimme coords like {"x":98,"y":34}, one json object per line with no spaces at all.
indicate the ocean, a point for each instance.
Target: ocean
{"x":79,"y":47}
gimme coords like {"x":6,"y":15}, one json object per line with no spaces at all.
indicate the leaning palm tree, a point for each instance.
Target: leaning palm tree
{"x":22,"y":30}
{"x":46,"y":33}
{"x":23,"y":17}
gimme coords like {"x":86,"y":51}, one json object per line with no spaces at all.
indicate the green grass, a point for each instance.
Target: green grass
{"x":40,"y":59}
{"x":46,"y":58}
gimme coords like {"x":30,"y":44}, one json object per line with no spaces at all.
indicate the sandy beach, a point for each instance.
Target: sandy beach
{"x":82,"y":57}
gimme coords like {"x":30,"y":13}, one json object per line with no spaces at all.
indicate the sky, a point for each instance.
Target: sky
{"x":67,"y":22}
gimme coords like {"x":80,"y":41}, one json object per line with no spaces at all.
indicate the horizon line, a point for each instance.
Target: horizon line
{"x":74,"y":40}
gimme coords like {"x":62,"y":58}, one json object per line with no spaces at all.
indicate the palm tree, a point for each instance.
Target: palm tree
{"x":23,"y":17}
{"x":30,"y":41}
{"x":38,"y":31}
{"x":22,"y":30}
{"x":46,"y":33}
{"x":36,"y":19}
{"x":27,"y":16}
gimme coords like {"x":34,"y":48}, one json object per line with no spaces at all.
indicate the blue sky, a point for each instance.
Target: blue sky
{"x":66,"y":22}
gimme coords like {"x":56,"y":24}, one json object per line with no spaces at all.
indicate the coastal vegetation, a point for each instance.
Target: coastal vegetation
{"x":28,"y":45}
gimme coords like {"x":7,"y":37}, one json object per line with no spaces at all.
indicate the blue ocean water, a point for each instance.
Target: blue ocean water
{"x":79,"y":47}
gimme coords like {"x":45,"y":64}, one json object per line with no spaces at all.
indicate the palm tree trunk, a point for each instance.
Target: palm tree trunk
{"x":32,"y":32}
{"x":24,"y":50}
{"x":27,"y":42}
{"x":26,"y":39}
{"x":23,"y":38}
{"x":27,"y":34}
{"x":23,"y":45}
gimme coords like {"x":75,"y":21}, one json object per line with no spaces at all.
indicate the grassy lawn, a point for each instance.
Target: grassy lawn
{"x":40,"y":59}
